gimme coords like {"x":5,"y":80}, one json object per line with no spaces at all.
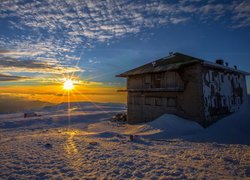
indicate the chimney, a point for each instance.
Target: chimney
{"x":235,"y":67}
{"x":226,"y":64}
{"x":220,"y":62}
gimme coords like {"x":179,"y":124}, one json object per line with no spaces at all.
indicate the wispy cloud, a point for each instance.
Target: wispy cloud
{"x":53,"y":34}
{"x":4,"y":52}
{"x":85,"y":21}
{"x":6,"y":77}
{"x":242,"y":14}
{"x":17,"y":65}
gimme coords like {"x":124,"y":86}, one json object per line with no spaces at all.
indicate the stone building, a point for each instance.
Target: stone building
{"x":186,"y":86}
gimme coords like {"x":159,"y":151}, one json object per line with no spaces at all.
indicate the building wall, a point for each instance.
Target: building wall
{"x":170,"y":80}
{"x":183,"y":97}
{"x":143,"y":107}
{"x":224,"y":93}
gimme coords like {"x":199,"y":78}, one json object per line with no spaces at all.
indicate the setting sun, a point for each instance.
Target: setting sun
{"x":68,"y":84}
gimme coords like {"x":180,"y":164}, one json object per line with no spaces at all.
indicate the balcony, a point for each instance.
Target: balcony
{"x":167,"y":89}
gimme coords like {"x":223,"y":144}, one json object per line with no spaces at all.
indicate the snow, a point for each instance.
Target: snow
{"x":170,"y":126}
{"x":233,"y":129}
{"x":223,"y":88}
{"x":87,"y":145}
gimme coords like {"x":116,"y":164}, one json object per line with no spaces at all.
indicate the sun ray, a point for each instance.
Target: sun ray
{"x":69,"y":120}
{"x":68,"y":84}
{"x":90,"y":100}
{"x":78,"y":104}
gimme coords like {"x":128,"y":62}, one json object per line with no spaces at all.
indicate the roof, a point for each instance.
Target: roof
{"x":215,"y":65}
{"x":173,"y":62}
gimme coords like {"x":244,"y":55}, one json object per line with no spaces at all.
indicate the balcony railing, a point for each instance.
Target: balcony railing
{"x":168,"y":89}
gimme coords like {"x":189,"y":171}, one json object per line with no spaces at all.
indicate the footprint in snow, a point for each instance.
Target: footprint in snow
{"x":48,"y":146}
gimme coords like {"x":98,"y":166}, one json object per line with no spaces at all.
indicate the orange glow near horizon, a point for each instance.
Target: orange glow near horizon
{"x":57,"y":94}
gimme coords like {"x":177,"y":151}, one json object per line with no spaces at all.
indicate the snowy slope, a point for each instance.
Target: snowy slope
{"x":59,"y":115}
{"x":91,"y":147}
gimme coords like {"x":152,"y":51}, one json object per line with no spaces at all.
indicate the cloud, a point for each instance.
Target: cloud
{"x":62,"y":30}
{"x":178,"y":20}
{"x":17,"y":65}
{"x":87,"y":21}
{"x":4,"y":52}
{"x":5,"y":77}
{"x":242,"y":14}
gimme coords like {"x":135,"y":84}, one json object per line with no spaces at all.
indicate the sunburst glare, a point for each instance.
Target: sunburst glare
{"x":68,"y":84}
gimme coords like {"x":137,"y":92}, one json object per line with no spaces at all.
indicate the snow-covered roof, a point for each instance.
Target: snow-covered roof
{"x":173,"y":62}
{"x":208,"y":63}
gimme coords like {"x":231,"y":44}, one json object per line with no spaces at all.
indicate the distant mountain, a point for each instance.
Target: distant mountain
{"x":86,"y":106}
{"x":9,"y":104}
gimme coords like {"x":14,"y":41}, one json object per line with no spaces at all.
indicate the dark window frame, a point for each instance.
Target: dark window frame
{"x":148,"y":101}
{"x":158,"y":101}
{"x":169,"y":100}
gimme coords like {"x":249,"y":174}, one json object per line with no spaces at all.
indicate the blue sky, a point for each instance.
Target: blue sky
{"x":41,"y":40}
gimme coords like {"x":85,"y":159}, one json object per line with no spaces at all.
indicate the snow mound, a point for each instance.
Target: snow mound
{"x":232,"y":129}
{"x":164,"y":127}
{"x":168,"y":126}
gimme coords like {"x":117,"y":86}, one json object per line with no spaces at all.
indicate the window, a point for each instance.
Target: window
{"x":158,"y":76}
{"x":147,"y":100}
{"x":212,"y":89}
{"x":158,"y":101}
{"x":172,"y":102}
{"x":212,"y":76}
{"x":157,"y":80}
{"x":165,"y":101}
{"x":147,"y":79}
{"x":130,"y":100}
{"x":206,"y":101}
{"x":171,"y":80}
{"x":137,"y":100}
{"x":215,"y":103}
{"x":222,"y":78}
{"x":224,"y":102}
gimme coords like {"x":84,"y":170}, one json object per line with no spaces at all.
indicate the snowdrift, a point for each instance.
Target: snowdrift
{"x":167,"y":126}
{"x":234,"y":129}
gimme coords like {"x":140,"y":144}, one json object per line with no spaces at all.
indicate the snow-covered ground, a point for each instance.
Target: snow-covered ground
{"x":87,"y":145}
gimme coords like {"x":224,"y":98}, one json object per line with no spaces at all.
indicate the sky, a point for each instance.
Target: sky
{"x":42,"y":42}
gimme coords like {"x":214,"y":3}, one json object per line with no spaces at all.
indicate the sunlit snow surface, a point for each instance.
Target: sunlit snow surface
{"x":88,"y":145}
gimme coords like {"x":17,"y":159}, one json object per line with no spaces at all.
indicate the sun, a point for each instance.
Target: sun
{"x":68,"y":84}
